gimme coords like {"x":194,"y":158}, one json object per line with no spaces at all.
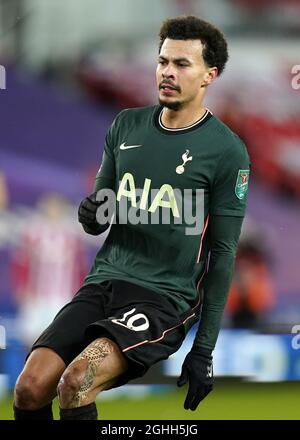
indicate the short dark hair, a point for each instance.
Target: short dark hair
{"x":189,"y":27}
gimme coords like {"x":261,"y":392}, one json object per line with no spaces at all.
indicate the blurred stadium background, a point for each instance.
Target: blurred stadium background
{"x":67,"y":68}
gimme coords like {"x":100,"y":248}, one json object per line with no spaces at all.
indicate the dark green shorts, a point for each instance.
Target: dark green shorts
{"x":144,"y":324}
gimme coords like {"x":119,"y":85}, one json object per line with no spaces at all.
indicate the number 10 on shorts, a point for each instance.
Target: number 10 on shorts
{"x":133,"y":321}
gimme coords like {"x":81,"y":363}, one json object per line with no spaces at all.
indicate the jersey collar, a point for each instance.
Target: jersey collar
{"x":159,"y":125}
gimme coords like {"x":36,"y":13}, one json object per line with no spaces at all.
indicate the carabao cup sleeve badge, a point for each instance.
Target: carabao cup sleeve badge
{"x":241,"y":185}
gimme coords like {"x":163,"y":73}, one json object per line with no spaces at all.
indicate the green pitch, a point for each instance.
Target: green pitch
{"x":227,"y":402}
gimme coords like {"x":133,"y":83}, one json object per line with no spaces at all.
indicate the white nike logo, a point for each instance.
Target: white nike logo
{"x":123,"y":147}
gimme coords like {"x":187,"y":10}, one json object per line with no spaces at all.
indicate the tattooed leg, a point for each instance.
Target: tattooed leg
{"x":92,"y":371}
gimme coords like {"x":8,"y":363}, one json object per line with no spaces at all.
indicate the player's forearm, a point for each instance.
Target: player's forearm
{"x":104,"y":183}
{"x":216,"y":287}
{"x":224,"y":236}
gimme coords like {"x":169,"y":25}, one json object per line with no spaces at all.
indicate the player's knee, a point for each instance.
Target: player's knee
{"x":71,"y":382}
{"x":29,"y":393}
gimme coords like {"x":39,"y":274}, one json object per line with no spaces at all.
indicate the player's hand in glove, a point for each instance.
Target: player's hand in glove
{"x":87,"y":212}
{"x":197,"y":370}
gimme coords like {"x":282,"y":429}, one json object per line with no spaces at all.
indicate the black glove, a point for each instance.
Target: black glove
{"x":87,"y":215}
{"x":197,"y":370}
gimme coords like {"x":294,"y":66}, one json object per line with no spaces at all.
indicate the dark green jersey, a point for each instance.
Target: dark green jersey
{"x":151,"y":167}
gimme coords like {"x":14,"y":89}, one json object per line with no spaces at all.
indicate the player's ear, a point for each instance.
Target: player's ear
{"x":210,"y":76}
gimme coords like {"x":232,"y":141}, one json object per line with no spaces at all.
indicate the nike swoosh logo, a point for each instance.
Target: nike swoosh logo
{"x":127,"y":147}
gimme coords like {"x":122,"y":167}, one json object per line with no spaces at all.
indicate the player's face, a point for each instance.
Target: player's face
{"x":181,"y":73}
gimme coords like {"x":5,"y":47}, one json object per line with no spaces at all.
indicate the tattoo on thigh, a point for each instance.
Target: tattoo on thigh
{"x":94,"y":354}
